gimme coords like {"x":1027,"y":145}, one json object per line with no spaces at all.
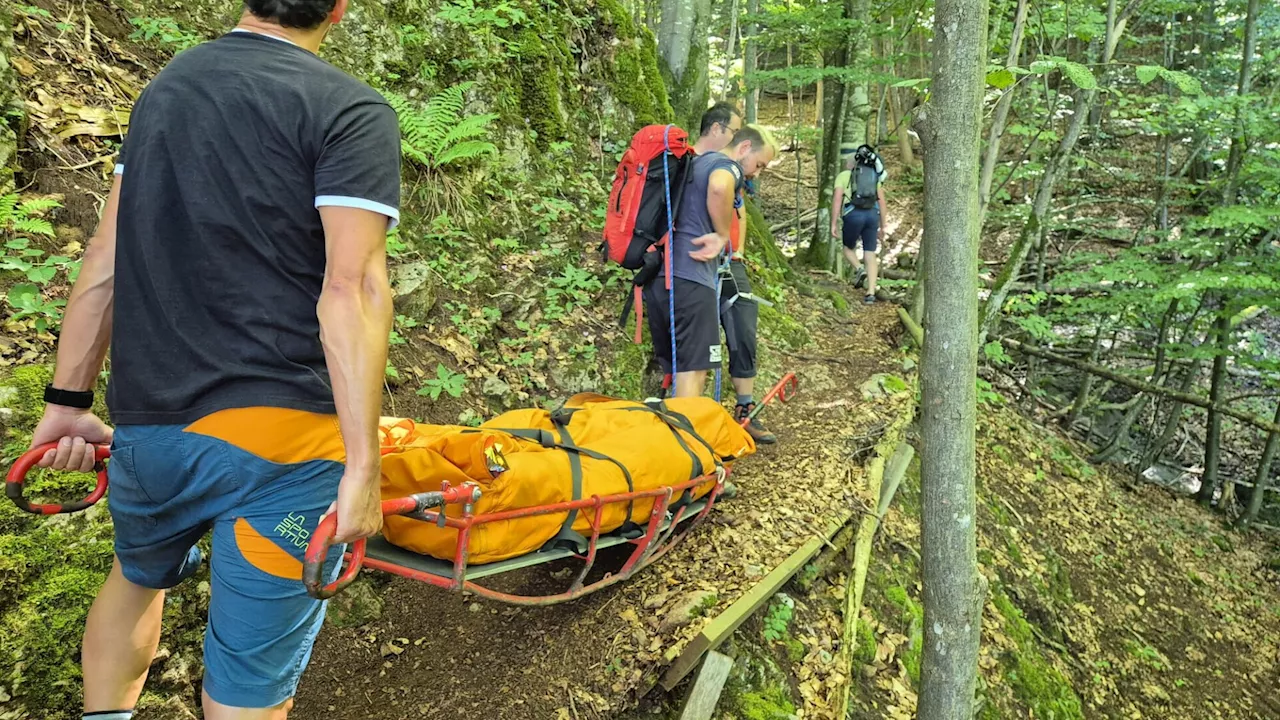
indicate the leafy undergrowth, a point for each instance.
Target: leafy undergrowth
{"x":1103,"y":602}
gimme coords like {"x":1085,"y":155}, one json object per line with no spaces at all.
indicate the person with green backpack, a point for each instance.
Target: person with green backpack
{"x":858,"y":201}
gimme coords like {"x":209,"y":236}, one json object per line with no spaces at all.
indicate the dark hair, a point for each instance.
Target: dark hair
{"x":720,"y":113}
{"x":303,"y":14}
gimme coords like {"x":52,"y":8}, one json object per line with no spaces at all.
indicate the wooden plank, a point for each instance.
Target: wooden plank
{"x":723,"y":625}
{"x":704,"y":694}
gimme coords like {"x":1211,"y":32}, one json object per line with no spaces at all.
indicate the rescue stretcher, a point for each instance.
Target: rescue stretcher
{"x":675,"y":513}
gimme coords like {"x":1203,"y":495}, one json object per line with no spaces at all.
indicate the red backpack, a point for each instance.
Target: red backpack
{"x":637,"y":215}
{"x":651,"y":174}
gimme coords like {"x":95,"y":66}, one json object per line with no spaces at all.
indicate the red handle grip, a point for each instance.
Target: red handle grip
{"x":323,"y":538}
{"x":18,"y":474}
{"x":786,"y":389}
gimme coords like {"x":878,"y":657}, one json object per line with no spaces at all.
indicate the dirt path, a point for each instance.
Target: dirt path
{"x":436,"y":654}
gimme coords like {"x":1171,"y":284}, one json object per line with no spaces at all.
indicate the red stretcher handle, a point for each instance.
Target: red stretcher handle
{"x":786,"y":389}
{"x":323,"y":538}
{"x":18,"y":474}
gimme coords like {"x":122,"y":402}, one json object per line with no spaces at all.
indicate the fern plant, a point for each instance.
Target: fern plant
{"x":22,"y":217}
{"x":439,"y":135}
{"x":19,"y":220}
{"x":438,"y":138}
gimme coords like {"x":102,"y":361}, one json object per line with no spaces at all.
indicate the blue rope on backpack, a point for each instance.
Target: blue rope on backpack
{"x":671,"y":233}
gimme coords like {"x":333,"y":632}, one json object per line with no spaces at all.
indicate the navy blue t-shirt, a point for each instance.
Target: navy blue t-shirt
{"x":220,"y":252}
{"x":694,"y":220}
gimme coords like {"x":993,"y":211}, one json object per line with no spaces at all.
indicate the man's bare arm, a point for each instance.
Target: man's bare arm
{"x":86,"y":327}
{"x":355,"y":323}
{"x":837,"y":198}
{"x":720,"y":193}
{"x":883,"y":207}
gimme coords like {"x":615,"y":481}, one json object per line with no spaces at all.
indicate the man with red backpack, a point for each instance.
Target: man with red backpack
{"x":701,"y":233}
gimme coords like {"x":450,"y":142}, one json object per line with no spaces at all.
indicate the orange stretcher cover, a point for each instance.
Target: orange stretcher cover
{"x":519,"y":471}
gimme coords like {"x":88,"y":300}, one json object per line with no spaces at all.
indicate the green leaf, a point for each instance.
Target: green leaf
{"x":23,"y":296}
{"x":1081,"y":76}
{"x":1147,"y":73}
{"x":1184,"y":82}
{"x":1001,"y":79}
{"x":1041,"y":67}
{"x":42,"y":274}
{"x":894,"y":384}
{"x":994,"y":352}
{"x":914,"y":82}
{"x":39,"y":205}
{"x":34,"y":227}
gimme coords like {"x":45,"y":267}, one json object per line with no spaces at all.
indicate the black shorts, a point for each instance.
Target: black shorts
{"x":861,"y":225}
{"x":739,"y":317}
{"x":697,"y":325}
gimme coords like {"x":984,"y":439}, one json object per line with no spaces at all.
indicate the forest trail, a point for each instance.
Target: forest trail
{"x":434,"y":653}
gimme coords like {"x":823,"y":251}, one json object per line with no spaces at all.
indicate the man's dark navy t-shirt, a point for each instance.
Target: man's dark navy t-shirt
{"x":694,"y":219}
{"x":220,"y":252}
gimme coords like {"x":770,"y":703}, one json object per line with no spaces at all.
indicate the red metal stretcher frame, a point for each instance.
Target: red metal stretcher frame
{"x":657,"y":540}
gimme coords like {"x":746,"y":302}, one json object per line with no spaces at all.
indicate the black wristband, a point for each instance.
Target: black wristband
{"x":82,"y":400}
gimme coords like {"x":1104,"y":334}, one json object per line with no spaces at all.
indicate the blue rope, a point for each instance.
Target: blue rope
{"x":671,"y":240}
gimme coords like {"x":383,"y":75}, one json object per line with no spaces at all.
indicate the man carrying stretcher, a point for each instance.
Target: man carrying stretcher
{"x":239,"y":276}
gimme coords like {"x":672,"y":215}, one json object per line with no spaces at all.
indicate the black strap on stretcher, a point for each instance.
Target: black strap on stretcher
{"x":567,"y":535}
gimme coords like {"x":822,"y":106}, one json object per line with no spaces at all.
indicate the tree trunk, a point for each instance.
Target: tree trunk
{"x":1213,"y":429}
{"x":683,"y":46}
{"x":1239,"y":139}
{"x":1039,"y":211}
{"x":1262,"y":479}
{"x":749,"y":63}
{"x":817,"y":102}
{"x":949,"y":126}
{"x":828,"y":167}
{"x":1174,"y":419}
{"x":1001,"y":117}
{"x":851,"y":131}
{"x":1086,"y":387}
{"x":728,"y":53}
{"x":1121,"y":435}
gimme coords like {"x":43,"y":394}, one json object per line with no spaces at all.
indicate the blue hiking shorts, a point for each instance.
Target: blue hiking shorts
{"x":259,"y":478}
{"x":860,"y":224}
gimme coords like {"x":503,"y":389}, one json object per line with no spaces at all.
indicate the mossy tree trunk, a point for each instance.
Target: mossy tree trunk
{"x":749,"y":62}
{"x":684,"y":47}
{"x":949,"y":126}
{"x":761,"y":247}
{"x":834,"y":131}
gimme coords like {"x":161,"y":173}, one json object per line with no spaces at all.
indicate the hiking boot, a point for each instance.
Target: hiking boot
{"x":869,"y":300}
{"x":729,"y":492}
{"x":754,"y":428}
{"x":859,"y":277}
